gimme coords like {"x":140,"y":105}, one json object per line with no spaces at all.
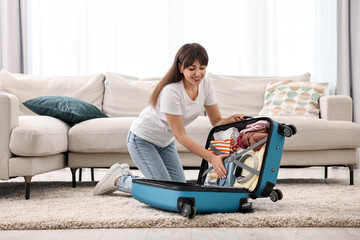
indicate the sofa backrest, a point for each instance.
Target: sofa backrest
{"x":126,"y":96}
{"x":88,"y":88}
{"x":244,"y":94}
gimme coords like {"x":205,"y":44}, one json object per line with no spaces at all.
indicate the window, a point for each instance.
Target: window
{"x":141,"y":37}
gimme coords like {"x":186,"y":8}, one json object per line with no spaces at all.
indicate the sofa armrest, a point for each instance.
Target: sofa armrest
{"x":9,"y":119}
{"x":336,"y":107}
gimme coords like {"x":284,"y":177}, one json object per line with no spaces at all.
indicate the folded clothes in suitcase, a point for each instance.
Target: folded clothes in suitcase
{"x":252,"y":171}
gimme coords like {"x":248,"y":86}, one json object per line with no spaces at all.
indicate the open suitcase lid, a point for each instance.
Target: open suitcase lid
{"x":263,"y":185}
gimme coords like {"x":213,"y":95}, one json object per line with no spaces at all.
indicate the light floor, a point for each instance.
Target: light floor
{"x":193,"y":233}
{"x":188,"y":234}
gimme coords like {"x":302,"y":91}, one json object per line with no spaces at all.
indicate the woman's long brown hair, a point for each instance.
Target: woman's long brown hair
{"x":186,"y":56}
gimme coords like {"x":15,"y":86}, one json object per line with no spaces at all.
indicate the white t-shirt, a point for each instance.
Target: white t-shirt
{"x":152,"y":124}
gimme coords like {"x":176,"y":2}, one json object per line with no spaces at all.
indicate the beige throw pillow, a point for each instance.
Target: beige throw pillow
{"x":244,"y":94}
{"x":88,"y":88}
{"x":127,"y":96}
{"x":289,"y":98}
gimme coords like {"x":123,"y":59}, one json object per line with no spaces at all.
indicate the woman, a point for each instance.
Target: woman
{"x":177,"y":100}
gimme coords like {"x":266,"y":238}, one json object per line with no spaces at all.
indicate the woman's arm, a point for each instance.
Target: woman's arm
{"x":177,"y":126}
{"x":216,"y":119}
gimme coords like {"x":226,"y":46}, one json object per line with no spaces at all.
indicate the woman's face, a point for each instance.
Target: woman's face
{"x":194,"y":73}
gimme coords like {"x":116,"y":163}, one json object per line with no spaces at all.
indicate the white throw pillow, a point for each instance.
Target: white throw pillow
{"x":127,"y":96}
{"x":88,"y":88}
{"x":289,"y":98}
{"x":244,"y":94}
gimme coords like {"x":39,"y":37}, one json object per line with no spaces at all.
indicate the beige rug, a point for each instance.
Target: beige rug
{"x":55,"y":205}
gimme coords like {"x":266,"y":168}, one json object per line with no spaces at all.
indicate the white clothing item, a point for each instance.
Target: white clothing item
{"x":230,"y":133}
{"x":152,"y":124}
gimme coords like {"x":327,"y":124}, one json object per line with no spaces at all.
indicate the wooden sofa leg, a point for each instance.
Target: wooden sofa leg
{"x":27,"y":187}
{"x":351,"y":168}
{"x":326,"y":171}
{"x":73,"y":173}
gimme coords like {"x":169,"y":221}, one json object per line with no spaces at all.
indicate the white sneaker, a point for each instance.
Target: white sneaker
{"x":126,"y":169}
{"x":107,"y":183}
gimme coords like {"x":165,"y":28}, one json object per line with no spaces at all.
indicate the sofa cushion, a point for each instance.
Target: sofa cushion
{"x":39,"y":136}
{"x":67,"y":109}
{"x":127,"y":96}
{"x":87,"y":88}
{"x":244,"y":94}
{"x":101,"y":135}
{"x":320,"y":134}
{"x":109,"y":135}
{"x":289,"y":98}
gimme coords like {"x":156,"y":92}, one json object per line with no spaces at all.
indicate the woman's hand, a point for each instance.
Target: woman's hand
{"x":233,"y":118}
{"x":216,"y":119}
{"x":218,"y":165}
{"x":236,"y":118}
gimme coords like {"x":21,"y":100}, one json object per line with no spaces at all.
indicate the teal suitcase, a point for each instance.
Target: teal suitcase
{"x":192,"y":198}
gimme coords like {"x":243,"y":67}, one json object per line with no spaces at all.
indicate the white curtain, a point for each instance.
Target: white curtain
{"x":13,"y":36}
{"x":141,"y":37}
{"x":349,"y":53}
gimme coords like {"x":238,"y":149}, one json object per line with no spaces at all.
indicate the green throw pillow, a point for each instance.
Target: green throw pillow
{"x":67,"y":109}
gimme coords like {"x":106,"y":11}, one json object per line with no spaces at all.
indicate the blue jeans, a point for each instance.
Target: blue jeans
{"x":154,"y":162}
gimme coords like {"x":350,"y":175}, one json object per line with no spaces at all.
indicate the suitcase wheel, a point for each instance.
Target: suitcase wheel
{"x":188,"y":210}
{"x":279,"y":193}
{"x":276,"y":195}
{"x":287,"y":130}
{"x":245,"y":206}
{"x":293,"y":128}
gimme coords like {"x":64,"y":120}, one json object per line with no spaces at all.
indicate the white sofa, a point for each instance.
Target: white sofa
{"x":31,"y":144}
